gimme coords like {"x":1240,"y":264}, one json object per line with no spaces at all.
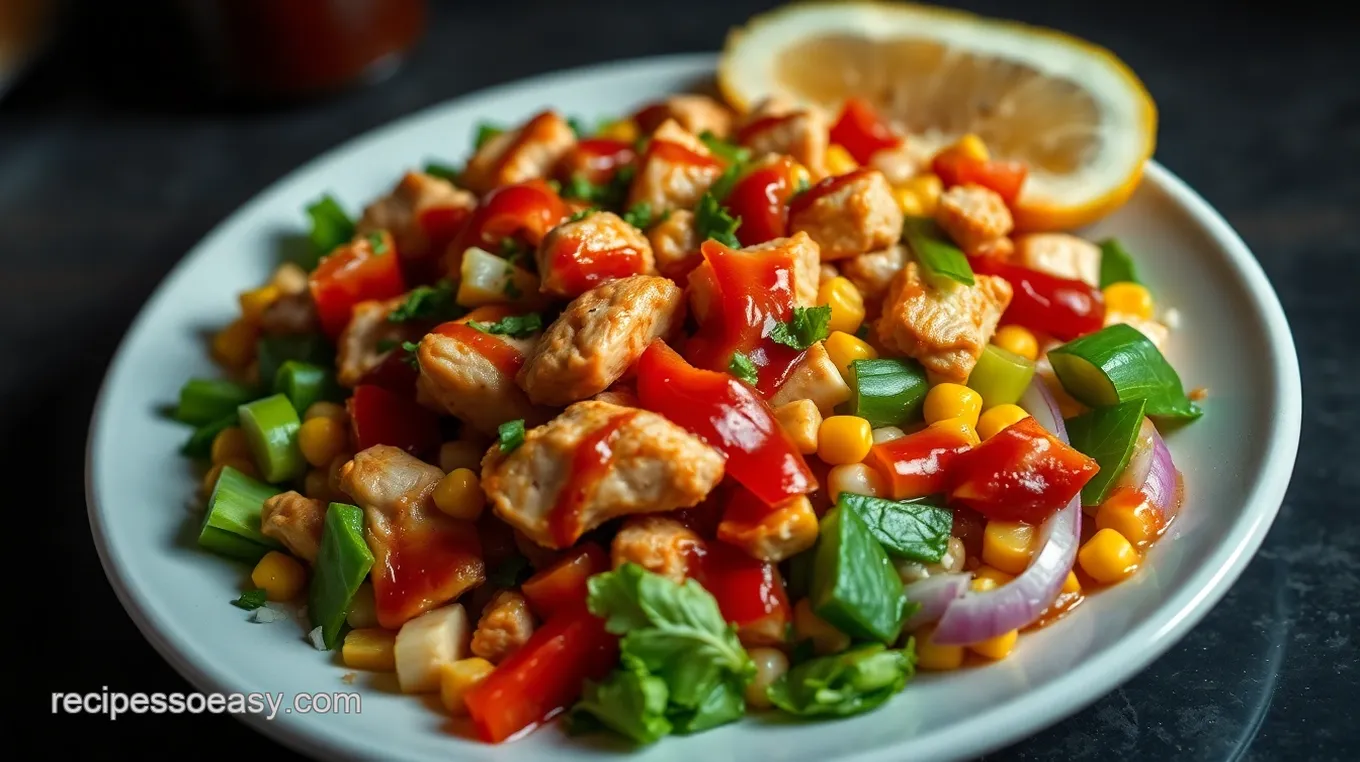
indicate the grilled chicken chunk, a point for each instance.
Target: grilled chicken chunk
{"x":674,"y":171}
{"x":472,"y":377}
{"x":357,"y":350}
{"x":400,"y":212}
{"x":519,"y":155}
{"x":592,"y":463}
{"x":873,"y":272}
{"x":945,"y":329}
{"x":776,"y":127}
{"x":658,"y":544}
{"x":696,"y":113}
{"x":295,"y":521}
{"x":577,"y":256}
{"x":504,"y":626}
{"x":858,"y":215}
{"x":976,"y":218}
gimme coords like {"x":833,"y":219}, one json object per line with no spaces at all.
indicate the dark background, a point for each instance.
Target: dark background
{"x":109,"y":172}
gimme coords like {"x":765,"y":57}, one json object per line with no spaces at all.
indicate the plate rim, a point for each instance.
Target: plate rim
{"x":986,"y":731}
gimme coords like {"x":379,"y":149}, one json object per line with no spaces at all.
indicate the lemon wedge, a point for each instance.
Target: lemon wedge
{"x":1072,"y":111}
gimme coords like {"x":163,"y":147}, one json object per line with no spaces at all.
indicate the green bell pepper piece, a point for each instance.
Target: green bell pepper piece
{"x":271,"y":426}
{"x":342,"y":563}
{"x":1000,"y":377}
{"x":887,"y":392}
{"x":854,"y":584}
{"x":231,"y":526}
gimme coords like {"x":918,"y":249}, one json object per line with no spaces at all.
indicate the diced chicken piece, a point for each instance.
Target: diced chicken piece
{"x":799,"y":132}
{"x":802,"y":421}
{"x":357,"y":351}
{"x":675,"y":245}
{"x":577,"y":256}
{"x":400,"y":211}
{"x":1060,"y":254}
{"x":815,"y":378}
{"x":423,"y":557}
{"x":806,"y":274}
{"x":782,"y":533}
{"x":974,"y":217}
{"x":646,"y":464}
{"x":826,"y":272}
{"x":428,"y":642}
{"x":290,"y":315}
{"x":598,"y":337}
{"x":872,"y":273}
{"x":295,"y":521}
{"x":622,"y":396}
{"x":696,"y":113}
{"x":289,"y":278}
{"x":900,"y":164}
{"x":518,"y":155}
{"x":473,"y":386}
{"x":505,"y":626}
{"x":945,"y":329}
{"x":858,"y":215}
{"x":658,"y":544}
{"x":675,"y":170}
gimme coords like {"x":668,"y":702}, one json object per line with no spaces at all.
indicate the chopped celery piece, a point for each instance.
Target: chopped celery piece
{"x":232,"y":524}
{"x":205,"y":400}
{"x":887,"y":392}
{"x":1000,"y":377}
{"x":940,"y":259}
{"x":907,"y":529}
{"x":200,"y":442}
{"x":854,"y":584}
{"x":1116,"y":266}
{"x":273,"y":351}
{"x":342,"y":562}
{"x":304,"y":383}
{"x":1107,"y":434}
{"x":271,"y":426}
{"x":1118,"y":364}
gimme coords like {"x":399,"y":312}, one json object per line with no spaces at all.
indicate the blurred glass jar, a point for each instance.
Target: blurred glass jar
{"x":288,"y":48}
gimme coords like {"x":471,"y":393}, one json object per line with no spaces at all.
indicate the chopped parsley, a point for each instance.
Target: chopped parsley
{"x":428,"y":303}
{"x":578,"y":126}
{"x":411,"y":358}
{"x":609,"y":195}
{"x":639,"y":215}
{"x":514,"y":326}
{"x":584,"y":213}
{"x":711,"y":220}
{"x":485,"y":132}
{"x":378,"y":242}
{"x":729,"y":152}
{"x":510,"y":435}
{"x":808,"y":326}
{"x":251,"y":599}
{"x":442,"y":171}
{"x":742,"y":367}
{"x":726,"y":181}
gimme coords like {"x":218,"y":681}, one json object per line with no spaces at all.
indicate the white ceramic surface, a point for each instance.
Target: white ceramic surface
{"x":1237,"y":462}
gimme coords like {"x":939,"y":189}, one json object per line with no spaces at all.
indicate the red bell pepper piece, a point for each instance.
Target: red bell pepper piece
{"x":441,"y":225}
{"x":729,"y":416}
{"x":596,"y":160}
{"x":954,"y":167}
{"x":1023,"y":473}
{"x":394,"y":374}
{"x":1060,"y":307}
{"x":562,"y":586}
{"x":379,"y":416}
{"x":542,"y":678}
{"x":524,"y":212}
{"x":917,"y":465}
{"x":579,"y":263}
{"x":862,"y":132}
{"x":365,"y":268}
{"x":753,"y":292}
{"x":750,"y":592}
{"x":760,"y":198}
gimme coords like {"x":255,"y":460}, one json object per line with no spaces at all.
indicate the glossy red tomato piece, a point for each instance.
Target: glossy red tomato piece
{"x":1005,"y":177}
{"x":596,"y":160}
{"x":862,"y":132}
{"x":562,"y":586}
{"x":379,"y":416}
{"x":1023,"y":473}
{"x":1060,"y":307}
{"x":523,"y":212}
{"x":917,"y":464}
{"x":363,"y":269}
{"x":750,"y":592}
{"x":761,"y":199}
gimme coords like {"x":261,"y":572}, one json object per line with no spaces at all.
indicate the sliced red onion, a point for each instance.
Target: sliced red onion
{"x":977,"y":616}
{"x":1163,"y":481}
{"x":934,"y":595}
{"x":1140,"y":462}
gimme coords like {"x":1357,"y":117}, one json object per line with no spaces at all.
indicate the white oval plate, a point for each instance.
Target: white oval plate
{"x":1237,"y":461}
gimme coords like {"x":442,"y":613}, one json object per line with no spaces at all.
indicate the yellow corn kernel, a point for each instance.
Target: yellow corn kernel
{"x":857,"y":479}
{"x":621,"y":129}
{"x":281,"y":576}
{"x":321,"y":439}
{"x":1071,"y":584}
{"x":843,"y":349}
{"x":844,"y":439}
{"x":839,"y":161}
{"x":936,"y":657}
{"x":325,"y":409}
{"x":1128,"y":299}
{"x":457,"y":678}
{"x":846,"y":302}
{"x":1017,"y":340}
{"x":230,"y":443}
{"x":927,"y":188}
{"x":989,"y":578}
{"x":826,"y":639}
{"x":998,"y":647}
{"x":370,"y":648}
{"x":460,"y":454}
{"x":244,"y":465}
{"x":961,"y":426}
{"x":317,"y":484}
{"x":946,"y":401}
{"x":1108,"y":557}
{"x":1136,"y":521}
{"x":973,"y":147}
{"x":994,"y":419}
{"x":459,"y":494}
{"x":1007,"y":545}
{"x":234,"y":346}
{"x":801,"y":420}
{"x":255,"y":301}
{"x":910,"y":202}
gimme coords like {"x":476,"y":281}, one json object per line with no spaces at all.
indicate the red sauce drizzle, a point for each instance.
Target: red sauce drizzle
{"x":826,"y":187}
{"x":505,"y":357}
{"x":580,"y":268}
{"x":674,"y":153}
{"x":593,"y":457}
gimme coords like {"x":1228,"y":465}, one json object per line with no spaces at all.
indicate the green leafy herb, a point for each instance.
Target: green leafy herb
{"x":377,"y":242}
{"x":555,"y":185}
{"x":916,"y":531}
{"x":1117,"y":364}
{"x":442,"y":171}
{"x":330,"y":227}
{"x":578,"y":127}
{"x":485,"y":132}
{"x":512,"y":251}
{"x":848,"y":683}
{"x":742,"y":367}
{"x":726,"y":181}
{"x":516,"y":326}
{"x":411,"y":348}
{"x":1108,"y":434}
{"x":1116,"y":266}
{"x":584,"y":213}
{"x":251,"y":599}
{"x":712,"y":221}
{"x":510,"y":435}
{"x":508,"y":573}
{"x":808,"y":326}
{"x":639,"y":215}
{"x":729,"y":152}
{"x":434,"y":303}
{"x":609,"y":195}
{"x":940,"y":259}
{"x":675,"y":645}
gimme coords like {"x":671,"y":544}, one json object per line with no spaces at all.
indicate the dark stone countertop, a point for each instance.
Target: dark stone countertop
{"x":106,"y":180}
